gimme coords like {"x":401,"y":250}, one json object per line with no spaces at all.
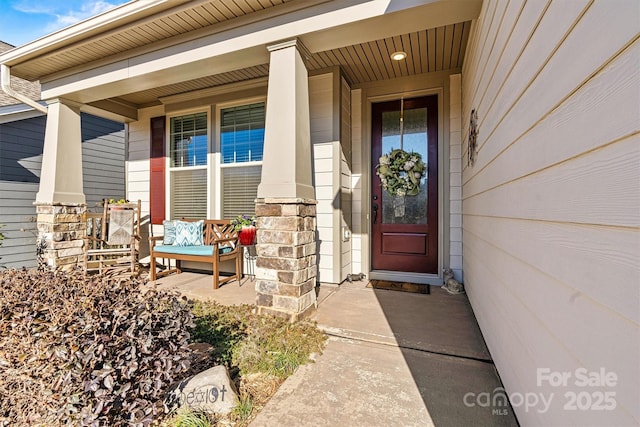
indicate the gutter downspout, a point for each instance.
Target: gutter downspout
{"x":5,"y":83}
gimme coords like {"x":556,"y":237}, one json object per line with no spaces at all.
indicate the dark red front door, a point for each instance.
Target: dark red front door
{"x":405,"y":228}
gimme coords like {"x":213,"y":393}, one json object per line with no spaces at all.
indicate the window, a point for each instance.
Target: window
{"x":189,"y":193}
{"x":241,"y":146}
{"x":240,"y":188}
{"x":189,"y":140}
{"x":242,"y":133}
{"x":188,"y":146}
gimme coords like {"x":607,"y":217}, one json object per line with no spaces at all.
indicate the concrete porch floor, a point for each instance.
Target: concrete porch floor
{"x":392,"y":359}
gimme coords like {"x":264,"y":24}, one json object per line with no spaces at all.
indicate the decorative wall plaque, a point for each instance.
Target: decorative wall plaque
{"x":473,"y":135}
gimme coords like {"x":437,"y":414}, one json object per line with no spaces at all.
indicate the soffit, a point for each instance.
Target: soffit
{"x":432,"y":50}
{"x":194,"y":16}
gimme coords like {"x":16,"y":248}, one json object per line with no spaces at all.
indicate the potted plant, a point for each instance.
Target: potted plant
{"x":114,"y":202}
{"x":246,"y":226}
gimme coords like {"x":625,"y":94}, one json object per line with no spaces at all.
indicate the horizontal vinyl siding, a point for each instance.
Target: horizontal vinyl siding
{"x":138,"y":172}
{"x":358,"y":218}
{"x":551,"y":229}
{"x":345,"y":179}
{"x":21,"y":144}
{"x":321,"y":117}
{"x":17,"y":213}
{"x":103,"y":159}
{"x":455,"y":177}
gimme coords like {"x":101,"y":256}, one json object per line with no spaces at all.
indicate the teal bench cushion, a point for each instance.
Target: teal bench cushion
{"x":190,"y":250}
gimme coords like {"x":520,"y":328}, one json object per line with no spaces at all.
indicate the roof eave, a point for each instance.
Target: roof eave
{"x":113,"y":18}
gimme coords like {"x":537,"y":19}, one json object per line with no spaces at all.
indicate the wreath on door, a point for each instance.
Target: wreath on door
{"x":400,"y":172}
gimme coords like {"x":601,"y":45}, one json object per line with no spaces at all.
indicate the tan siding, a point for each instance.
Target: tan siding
{"x":551,"y":229}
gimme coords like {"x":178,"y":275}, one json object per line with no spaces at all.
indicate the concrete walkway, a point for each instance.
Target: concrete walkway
{"x":392,"y":359}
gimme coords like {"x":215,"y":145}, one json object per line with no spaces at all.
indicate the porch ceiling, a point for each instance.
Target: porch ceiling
{"x":436,"y":49}
{"x":360,"y":39}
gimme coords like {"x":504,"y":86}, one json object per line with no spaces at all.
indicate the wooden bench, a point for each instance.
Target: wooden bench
{"x":220,"y":243}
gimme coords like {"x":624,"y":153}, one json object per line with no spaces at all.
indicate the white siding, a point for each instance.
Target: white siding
{"x":345,"y":179}
{"x":21,"y":143}
{"x":455,"y":176}
{"x":138,"y":171}
{"x":321,"y":116}
{"x":322,"y":153}
{"x":330,"y":130}
{"x":357,"y":223}
{"x":138,"y":161}
{"x":551,"y":228}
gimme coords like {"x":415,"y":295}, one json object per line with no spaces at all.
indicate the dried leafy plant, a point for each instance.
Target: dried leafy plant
{"x":81,"y":350}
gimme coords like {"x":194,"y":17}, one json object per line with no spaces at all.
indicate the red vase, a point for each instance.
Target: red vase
{"x":247,"y":235}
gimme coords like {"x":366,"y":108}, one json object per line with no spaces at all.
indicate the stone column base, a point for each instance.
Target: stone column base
{"x":286,"y":268}
{"x":61,"y":232}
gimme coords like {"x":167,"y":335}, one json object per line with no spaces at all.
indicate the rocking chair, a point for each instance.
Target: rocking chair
{"x":118,"y":244}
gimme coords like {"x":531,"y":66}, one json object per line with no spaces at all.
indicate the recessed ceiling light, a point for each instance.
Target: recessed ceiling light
{"x":398,"y":56}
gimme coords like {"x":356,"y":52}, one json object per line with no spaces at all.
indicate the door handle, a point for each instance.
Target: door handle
{"x":375,"y":213}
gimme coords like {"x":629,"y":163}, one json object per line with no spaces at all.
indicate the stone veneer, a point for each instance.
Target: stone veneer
{"x":62,"y":228}
{"x":286,"y":268}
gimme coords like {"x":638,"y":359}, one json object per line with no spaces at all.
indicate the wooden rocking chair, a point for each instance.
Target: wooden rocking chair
{"x":118,"y":244}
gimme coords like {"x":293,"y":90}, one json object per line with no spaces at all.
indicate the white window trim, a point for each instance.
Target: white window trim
{"x":170,"y":169}
{"x":219,"y":205}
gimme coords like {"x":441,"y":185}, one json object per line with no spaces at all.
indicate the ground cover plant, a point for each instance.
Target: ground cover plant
{"x":79,"y":350}
{"x":87,"y":350}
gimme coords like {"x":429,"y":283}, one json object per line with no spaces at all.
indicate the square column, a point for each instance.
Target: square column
{"x":60,"y":202}
{"x":286,"y":164}
{"x":61,"y":173}
{"x":286,"y":268}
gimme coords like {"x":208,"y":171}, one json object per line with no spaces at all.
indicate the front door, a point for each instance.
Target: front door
{"x":404,"y":209}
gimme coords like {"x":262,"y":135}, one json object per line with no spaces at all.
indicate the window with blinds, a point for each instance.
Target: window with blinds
{"x":242,"y":133}
{"x":240,"y":188}
{"x":189,"y":142}
{"x":241,"y":141}
{"x":188,"y":146}
{"x":189,"y":193}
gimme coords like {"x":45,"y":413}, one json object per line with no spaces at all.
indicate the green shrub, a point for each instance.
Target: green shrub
{"x":78,"y":350}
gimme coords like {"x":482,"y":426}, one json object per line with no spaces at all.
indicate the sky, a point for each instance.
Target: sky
{"x":22,"y":21}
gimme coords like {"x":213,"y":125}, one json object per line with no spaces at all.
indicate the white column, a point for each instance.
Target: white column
{"x":286,"y":165}
{"x":61,"y":174}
